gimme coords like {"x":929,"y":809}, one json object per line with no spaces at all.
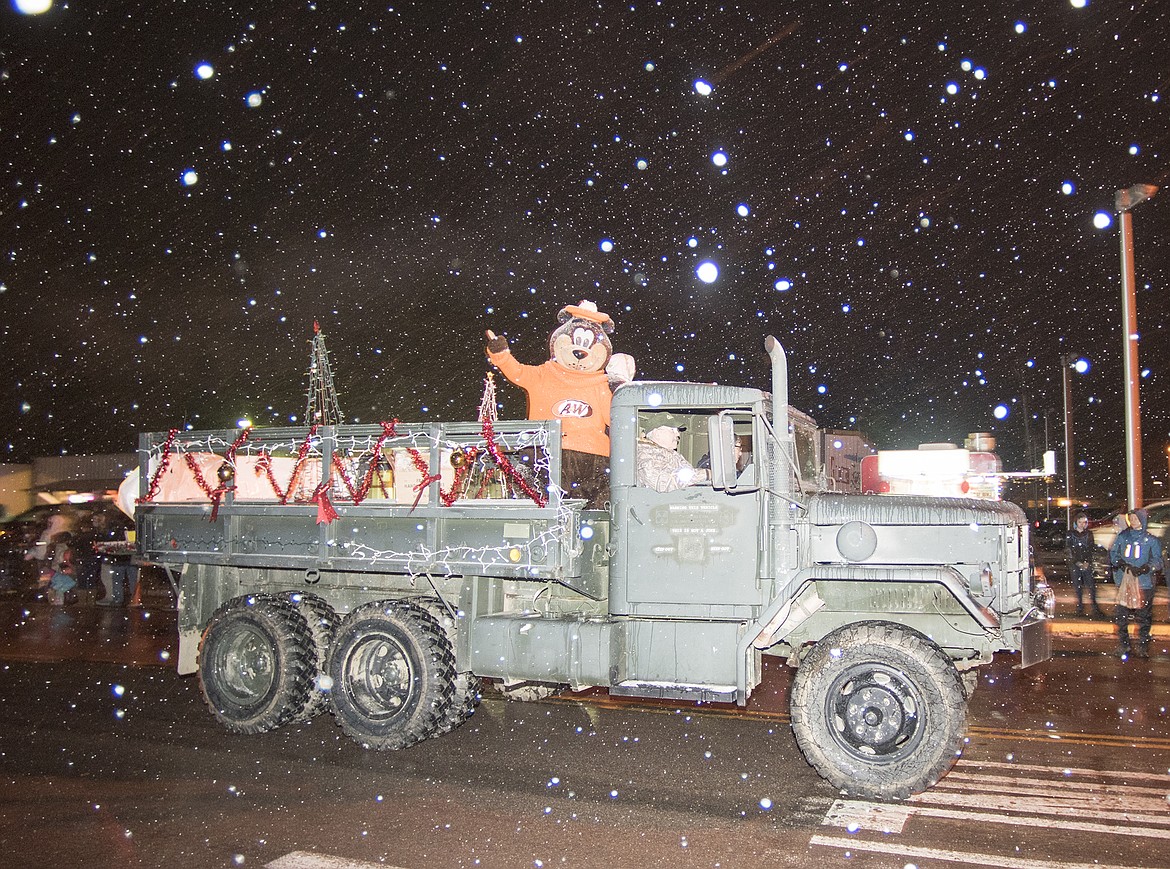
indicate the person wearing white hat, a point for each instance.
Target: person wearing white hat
{"x":660,"y":465}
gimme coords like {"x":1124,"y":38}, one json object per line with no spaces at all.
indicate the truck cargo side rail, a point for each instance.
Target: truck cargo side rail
{"x":438,"y":498}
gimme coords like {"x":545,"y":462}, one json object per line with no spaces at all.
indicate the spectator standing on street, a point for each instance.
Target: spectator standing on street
{"x":41,"y":553}
{"x":1079,"y":548}
{"x":119,"y":579}
{"x":63,"y":567}
{"x":87,"y":532}
{"x":1136,"y":556}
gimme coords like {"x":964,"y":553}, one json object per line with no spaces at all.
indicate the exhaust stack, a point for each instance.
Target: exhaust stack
{"x":782,"y":468}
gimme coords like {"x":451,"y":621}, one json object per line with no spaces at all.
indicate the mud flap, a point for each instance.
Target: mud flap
{"x":188,"y":652}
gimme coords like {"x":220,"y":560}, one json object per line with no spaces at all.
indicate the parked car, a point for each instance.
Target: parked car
{"x":1105,"y":531}
{"x":1159,"y":523}
{"x":1048,"y":532}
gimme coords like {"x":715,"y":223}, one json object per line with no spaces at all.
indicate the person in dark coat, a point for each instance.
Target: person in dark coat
{"x":1078,"y":549}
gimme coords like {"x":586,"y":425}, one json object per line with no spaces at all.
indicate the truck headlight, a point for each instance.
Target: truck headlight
{"x":1044,"y":600}
{"x":1043,"y":597}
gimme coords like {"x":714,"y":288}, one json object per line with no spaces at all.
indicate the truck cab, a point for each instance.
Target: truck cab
{"x":693,"y":552}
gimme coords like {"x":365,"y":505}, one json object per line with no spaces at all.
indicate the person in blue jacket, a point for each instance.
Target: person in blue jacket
{"x":1137,"y":550}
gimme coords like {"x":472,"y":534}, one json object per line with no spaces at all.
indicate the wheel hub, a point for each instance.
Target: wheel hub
{"x":246,"y":665}
{"x":874,"y":710}
{"x":874,"y":716}
{"x":380,"y":677}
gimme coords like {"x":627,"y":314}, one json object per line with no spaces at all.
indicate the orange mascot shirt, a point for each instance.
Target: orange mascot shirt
{"x":579,"y":399}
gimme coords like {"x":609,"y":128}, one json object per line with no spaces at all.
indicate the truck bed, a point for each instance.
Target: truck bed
{"x":306,"y":499}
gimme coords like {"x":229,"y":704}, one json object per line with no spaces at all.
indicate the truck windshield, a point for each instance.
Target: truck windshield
{"x":658,"y":428}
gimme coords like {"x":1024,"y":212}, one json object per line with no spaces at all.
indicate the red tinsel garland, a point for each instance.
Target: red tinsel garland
{"x":461,"y":472}
{"x":163,"y":463}
{"x":424,"y":469}
{"x":359,"y":494}
{"x":189,"y":458}
{"x":229,"y":460}
{"x":489,"y":437}
{"x":266,"y":463}
{"x":325,"y":511}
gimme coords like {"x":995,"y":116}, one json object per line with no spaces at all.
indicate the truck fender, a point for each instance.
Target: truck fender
{"x":781,"y":617}
{"x":788,"y":610}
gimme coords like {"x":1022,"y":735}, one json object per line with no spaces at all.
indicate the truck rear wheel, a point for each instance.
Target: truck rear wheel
{"x":393,"y":674}
{"x":255,"y":664}
{"x":878,"y":710}
{"x":321,"y":621}
{"x":464,"y":701}
{"x":466,"y":687}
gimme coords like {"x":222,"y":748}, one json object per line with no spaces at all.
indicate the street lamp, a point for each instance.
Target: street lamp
{"x":1123,"y":201}
{"x":1069,"y":362}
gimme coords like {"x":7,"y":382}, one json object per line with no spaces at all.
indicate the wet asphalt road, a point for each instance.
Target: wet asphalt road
{"x":107,"y":758}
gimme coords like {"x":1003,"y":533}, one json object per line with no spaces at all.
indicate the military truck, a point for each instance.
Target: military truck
{"x":383,"y":572}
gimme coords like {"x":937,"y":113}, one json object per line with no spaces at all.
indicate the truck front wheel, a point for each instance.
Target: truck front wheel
{"x":393,"y":675}
{"x":255,"y":664}
{"x":878,"y":710}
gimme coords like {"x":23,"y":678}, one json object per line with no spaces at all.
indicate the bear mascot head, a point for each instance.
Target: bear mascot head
{"x":581,"y":342}
{"x":574,"y":387}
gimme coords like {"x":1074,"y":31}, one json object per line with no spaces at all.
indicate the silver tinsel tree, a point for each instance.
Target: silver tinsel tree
{"x":487,"y":405}
{"x":321,"y":406}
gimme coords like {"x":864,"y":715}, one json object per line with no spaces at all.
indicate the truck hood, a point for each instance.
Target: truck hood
{"x":836,"y":509}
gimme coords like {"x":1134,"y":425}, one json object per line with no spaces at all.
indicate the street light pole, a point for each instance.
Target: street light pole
{"x":1123,"y":201}
{"x":1066,"y":364}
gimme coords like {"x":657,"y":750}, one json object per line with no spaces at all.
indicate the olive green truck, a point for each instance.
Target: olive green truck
{"x":381,"y":572}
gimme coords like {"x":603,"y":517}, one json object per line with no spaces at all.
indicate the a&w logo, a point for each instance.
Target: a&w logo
{"x":572,"y":407}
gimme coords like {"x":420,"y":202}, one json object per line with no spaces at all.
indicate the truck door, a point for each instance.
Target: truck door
{"x":690,"y":551}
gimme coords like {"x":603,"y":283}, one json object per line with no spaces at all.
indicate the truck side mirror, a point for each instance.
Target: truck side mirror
{"x":724,"y":474}
{"x":721,"y":438}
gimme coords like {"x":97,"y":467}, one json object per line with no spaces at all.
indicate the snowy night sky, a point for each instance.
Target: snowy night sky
{"x":902,"y":192}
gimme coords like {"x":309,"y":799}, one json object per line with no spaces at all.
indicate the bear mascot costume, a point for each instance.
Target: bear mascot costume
{"x":574,"y":387}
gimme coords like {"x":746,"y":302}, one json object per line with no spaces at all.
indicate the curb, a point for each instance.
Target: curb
{"x":1065,"y":626}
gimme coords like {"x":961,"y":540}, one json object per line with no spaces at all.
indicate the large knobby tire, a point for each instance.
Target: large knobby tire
{"x":466,"y":688}
{"x":970,"y":680}
{"x":321,"y":621}
{"x":878,"y":710}
{"x":256,"y":664}
{"x":465,"y":696}
{"x":392,"y":672}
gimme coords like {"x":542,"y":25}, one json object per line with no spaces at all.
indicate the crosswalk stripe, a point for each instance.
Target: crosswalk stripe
{"x":968,"y":781}
{"x":1069,"y":738}
{"x":1003,"y":862}
{"x":856,"y":815}
{"x":1134,"y":812}
{"x":849,"y":815}
{"x":1065,"y":770}
{"x":308,"y":860}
